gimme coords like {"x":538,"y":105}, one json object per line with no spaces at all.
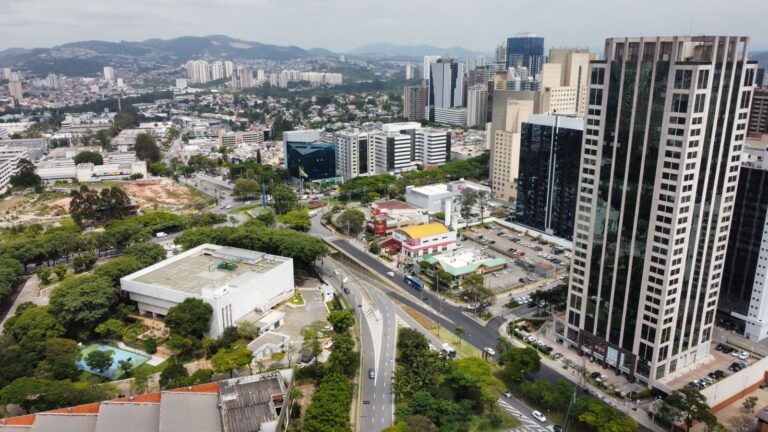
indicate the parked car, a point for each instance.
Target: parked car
{"x":539,"y":416}
{"x":490,"y":351}
{"x":161,"y":234}
{"x":538,"y":248}
{"x":508,"y":394}
{"x":743,"y":355}
{"x":557,"y":356}
{"x":520,"y":254}
{"x":594,"y":375}
{"x":346,"y":290}
{"x":391,"y":274}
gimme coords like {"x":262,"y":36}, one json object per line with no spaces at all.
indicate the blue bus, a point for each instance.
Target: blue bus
{"x":412,"y":281}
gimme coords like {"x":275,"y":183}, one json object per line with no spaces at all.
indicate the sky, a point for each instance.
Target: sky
{"x":341,"y":25}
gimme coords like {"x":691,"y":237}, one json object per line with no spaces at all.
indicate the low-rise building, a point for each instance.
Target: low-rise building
{"x":425,"y":239}
{"x":235,"y":282}
{"x":460,"y":263}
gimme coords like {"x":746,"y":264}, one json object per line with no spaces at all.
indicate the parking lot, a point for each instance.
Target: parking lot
{"x":718,"y":360}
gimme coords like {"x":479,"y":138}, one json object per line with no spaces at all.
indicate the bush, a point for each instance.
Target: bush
{"x":150,"y":345}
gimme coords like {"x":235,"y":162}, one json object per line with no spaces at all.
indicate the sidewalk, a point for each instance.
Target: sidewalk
{"x":640,"y":414}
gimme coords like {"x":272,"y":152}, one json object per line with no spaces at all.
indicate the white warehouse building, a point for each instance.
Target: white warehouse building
{"x":235,"y":282}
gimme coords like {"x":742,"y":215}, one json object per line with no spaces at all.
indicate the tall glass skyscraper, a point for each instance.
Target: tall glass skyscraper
{"x":548,"y":180}
{"x":526,"y":50}
{"x":666,"y":121}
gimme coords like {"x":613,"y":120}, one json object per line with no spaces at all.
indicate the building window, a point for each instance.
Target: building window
{"x":683,"y":79}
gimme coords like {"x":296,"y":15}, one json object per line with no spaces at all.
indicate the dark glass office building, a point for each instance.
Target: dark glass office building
{"x":740,"y":299}
{"x":548,"y":179}
{"x":317,"y":160}
{"x":527,"y":51}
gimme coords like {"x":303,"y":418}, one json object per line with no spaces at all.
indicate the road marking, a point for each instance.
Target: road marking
{"x":376,"y":327}
{"x":529,"y":423}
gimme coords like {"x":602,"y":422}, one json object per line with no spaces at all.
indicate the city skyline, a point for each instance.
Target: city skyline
{"x":46,"y":23}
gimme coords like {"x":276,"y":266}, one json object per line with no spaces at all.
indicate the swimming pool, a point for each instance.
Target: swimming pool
{"x":119,"y":354}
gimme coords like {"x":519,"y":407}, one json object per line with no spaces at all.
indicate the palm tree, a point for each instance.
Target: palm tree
{"x":459,"y":332}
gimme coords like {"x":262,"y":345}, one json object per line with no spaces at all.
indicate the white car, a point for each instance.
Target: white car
{"x":743,"y":355}
{"x":161,"y":234}
{"x":490,"y":351}
{"x":735,"y":353}
{"x":508,"y":394}
{"x":391,"y":274}
{"x":539,"y":416}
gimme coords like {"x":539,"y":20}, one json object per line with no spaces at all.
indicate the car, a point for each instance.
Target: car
{"x":557,"y":428}
{"x":490,"y":351}
{"x":491,"y":241}
{"x":743,"y":355}
{"x":743,"y":365}
{"x":346,"y":290}
{"x":520,"y":254}
{"x":336,"y":272}
{"x":508,"y":394}
{"x":735,"y":367}
{"x":735,"y":353}
{"x":511,"y":250}
{"x":538,"y":248}
{"x":719,"y":347}
{"x":531,"y":339}
{"x":539,"y":416}
{"x":594,"y":375}
{"x":228,"y":206}
{"x":557,"y":356}
{"x":161,"y":234}
{"x":391,"y":274}
{"x":247,"y":203}
{"x":371,"y":373}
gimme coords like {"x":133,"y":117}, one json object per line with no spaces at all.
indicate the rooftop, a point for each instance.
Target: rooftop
{"x":393,"y":205}
{"x":461,"y":262}
{"x":435,"y":189}
{"x":207,"y":266}
{"x":425,"y":230}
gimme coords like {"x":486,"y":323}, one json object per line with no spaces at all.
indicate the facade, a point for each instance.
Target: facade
{"x":574,"y":64}
{"x":526,"y":50}
{"x":235,"y":282}
{"x":505,"y":151}
{"x":410,"y":71}
{"x":311,"y":161}
{"x":428,"y":60}
{"x":394,"y":152}
{"x":415,"y":102}
{"x":425,"y":239}
{"x":477,"y":105}
{"x":109,"y":74}
{"x":433,"y":146}
{"x":446,"y":85}
{"x":354,"y":154}
{"x":431,"y":198}
{"x":666,"y":120}
{"x":450,"y":116}
{"x":743,"y":295}
{"x":548,"y":179}
{"x":198,"y":71}
{"x":231,"y":139}
{"x":758,"y":115}
{"x":15,"y":89}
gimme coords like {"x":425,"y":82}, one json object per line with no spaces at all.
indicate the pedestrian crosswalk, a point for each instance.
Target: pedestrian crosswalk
{"x":376,"y":327}
{"x":529,"y":424}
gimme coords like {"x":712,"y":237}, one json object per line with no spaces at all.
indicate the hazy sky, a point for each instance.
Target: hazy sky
{"x":341,"y":25}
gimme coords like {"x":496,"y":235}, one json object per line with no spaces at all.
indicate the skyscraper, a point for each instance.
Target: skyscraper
{"x":758,"y":115}
{"x":229,"y":67}
{"x":567,"y":93}
{"x":526,"y":50}
{"x":415,"y":102}
{"x":446,"y":85}
{"x":354,"y":154}
{"x":666,"y":120}
{"x":548,"y":179}
{"x":217,"y":70}
{"x":508,"y":117}
{"x":109,"y":73}
{"x":410,"y":71}
{"x":15,"y":89}
{"x":428,"y":60}
{"x":477,"y":105}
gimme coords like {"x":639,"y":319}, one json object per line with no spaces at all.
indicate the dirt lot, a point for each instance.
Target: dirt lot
{"x":164,"y":194}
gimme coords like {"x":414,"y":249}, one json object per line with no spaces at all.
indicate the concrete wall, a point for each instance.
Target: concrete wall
{"x":736,"y":386}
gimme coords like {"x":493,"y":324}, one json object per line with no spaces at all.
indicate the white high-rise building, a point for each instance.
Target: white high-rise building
{"x":261,"y":76}
{"x":505,"y":151}
{"x":410,"y":71}
{"x":273,"y":79}
{"x":7,"y":73}
{"x":446,"y":85}
{"x":655,"y":202}
{"x":52,"y":81}
{"x":433,"y":146}
{"x":428,"y":60}
{"x":181,"y":83}
{"x":354,"y":154}
{"x":15,"y":89}
{"x":477,"y":105}
{"x":217,"y":71}
{"x":198,"y":71}
{"x":229,"y":67}
{"x":109,"y":74}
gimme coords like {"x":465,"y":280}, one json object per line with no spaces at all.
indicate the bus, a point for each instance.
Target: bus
{"x":412,"y":281}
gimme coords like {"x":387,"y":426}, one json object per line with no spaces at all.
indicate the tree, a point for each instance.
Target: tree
{"x":110,"y":329}
{"x":258,"y":156}
{"x":459,"y":333}
{"x":146,"y":148}
{"x":44,"y":274}
{"x":605,"y":419}
{"x":468,"y":200}
{"x":32,"y":326}
{"x":482,"y":203}
{"x":229,"y":360}
{"x":124,"y":368}
{"x":175,"y":375}
{"x":246,"y":188}
{"x":689,"y":405}
{"x":99,"y":361}
{"x":179,"y":344}
{"x":266,"y":217}
{"x":284,"y":199}
{"x":519,"y":361}
{"x":343,"y":359}
{"x":25,"y":176}
{"x":140,"y":383}
{"x":374,"y":247}
{"x":329,"y":410}
{"x":89,"y":157}
{"x":191,"y":317}
{"x":311,"y":342}
{"x":84,"y":262}
{"x":297,"y":220}
{"x":341,"y":320}
{"x":742,"y":423}
{"x":80,"y":303}
{"x":60,"y":362}
{"x":41,"y":394}
{"x":149,"y":253}
{"x":476,"y":292}
{"x":351,"y":221}
{"x":749,"y":403}
{"x":60,"y":270}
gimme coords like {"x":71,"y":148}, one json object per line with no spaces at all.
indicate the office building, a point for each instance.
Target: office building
{"x":508,"y":116}
{"x":109,"y":74}
{"x":446,"y":85}
{"x":758,"y":114}
{"x":450,"y":116}
{"x":428,"y":60}
{"x":181,"y":83}
{"x":354,"y":154}
{"x":235,"y":282}
{"x":15,"y":89}
{"x":410,"y":71}
{"x":433,"y":146}
{"x":217,"y":71}
{"x":743,"y":295}
{"x":477,"y":105}
{"x":526,"y":50}
{"x":666,"y":122}
{"x":307,"y":157}
{"x":415,"y":102}
{"x":548,"y":176}
{"x":394,"y":152}
{"x":251,"y":137}
{"x":574,"y":63}
{"x":261,"y":76}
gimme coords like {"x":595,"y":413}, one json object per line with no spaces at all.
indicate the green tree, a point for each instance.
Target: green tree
{"x":80,"y":303}
{"x":284,"y":199}
{"x":343,"y":359}
{"x":99,"y":361}
{"x":297,"y":220}
{"x":124,"y":368}
{"x":60,"y":362}
{"x":229,"y":360}
{"x":351,"y":221}
{"x":246,"y":188}
{"x":468,"y":200}
{"x":266,"y":217}
{"x":89,"y":157}
{"x":32,"y":326}
{"x":311,"y":342}
{"x":43,"y":395}
{"x":149,"y":253}
{"x":329,"y":410}
{"x":26,"y":175}
{"x":119,"y":267}
{"x":146,"y":148}
{"x":476,"y":292}
{"x":44,"y":274}
{"x":374,"y":247}
{"x":749,"y":403}
{"x":689,"y":405}
{"x":605,"y":419}
{"x":110,"y":329}
{"x":459,"y":332}
{"x":179,"y":344}
{"x":175,"y":375}
{"x":341,"y":320}
{"x":60,"y":270}
{"x":191,"y":317}
{"x":519,"y":361}
{"x":84,"y":262}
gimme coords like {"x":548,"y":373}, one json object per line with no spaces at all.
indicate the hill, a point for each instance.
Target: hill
{"x":410,"y":52}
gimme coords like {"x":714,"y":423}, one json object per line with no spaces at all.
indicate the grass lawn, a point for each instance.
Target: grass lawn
{"x":484,"y":424}
{"x":244,"y":208}
{"x":146,"y":367}
{"x":464,"y":350}
{"x":297,"y":298}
